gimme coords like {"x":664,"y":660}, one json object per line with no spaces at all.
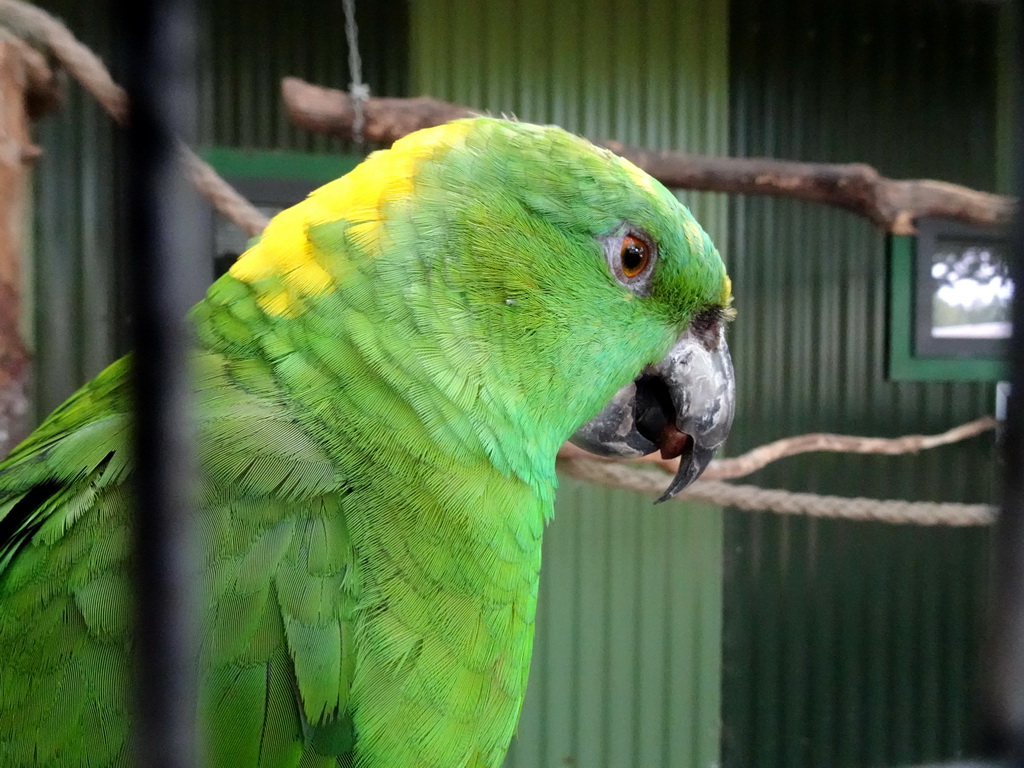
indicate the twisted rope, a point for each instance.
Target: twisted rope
{"x":39,"y":28}
{"x":752,"y":498}
{"x":222,"y":196}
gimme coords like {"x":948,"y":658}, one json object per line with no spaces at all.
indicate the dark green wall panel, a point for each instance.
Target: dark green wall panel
{"x":850,"y":644}
{"x":249,"y":46}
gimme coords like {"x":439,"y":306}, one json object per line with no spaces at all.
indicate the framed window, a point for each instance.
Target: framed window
{"x":949,"y":303}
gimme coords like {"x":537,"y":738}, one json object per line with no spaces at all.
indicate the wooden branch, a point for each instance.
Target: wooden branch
{"x":891,"y":204}
{"x":22,"y":71}
{"x":762,"y":456}
{"x":46,"y":33}
{"x":328,"y":110}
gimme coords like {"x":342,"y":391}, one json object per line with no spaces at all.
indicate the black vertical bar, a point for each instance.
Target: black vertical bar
{"x":1004,"y":705}
{"x":158,"y":39}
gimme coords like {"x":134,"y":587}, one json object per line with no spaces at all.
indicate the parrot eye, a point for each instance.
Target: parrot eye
{"x":634,"y":255}
{"x":631,"y":256}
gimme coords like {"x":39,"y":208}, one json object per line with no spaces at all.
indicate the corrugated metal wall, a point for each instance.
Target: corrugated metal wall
{"x":850,"y":644}
{"x":626,"y":669}
{"x":647,"y":72}
{"x":626,"y":663}
{"x":844,"y":644}
{"x":73,"y":278}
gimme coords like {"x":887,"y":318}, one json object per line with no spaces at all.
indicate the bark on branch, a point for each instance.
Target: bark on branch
{"x":328,"y":110}
{"x":891,"y":204}
{"x":26,"y":84}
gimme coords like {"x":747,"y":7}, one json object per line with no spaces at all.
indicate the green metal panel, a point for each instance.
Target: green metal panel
{"x":850,"y":644}
{"x":596,"y":68}
{"x":248,"y":47}
{"x":626,"y":666}
{"x":1006,"y":96}
{"x":234,"y":163}
{"x":626,"y":661}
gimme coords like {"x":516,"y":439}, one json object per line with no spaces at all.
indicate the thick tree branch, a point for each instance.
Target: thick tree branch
{"x":26,"y":84}
{"x":891,"y":204}
{"x":328,"y":110}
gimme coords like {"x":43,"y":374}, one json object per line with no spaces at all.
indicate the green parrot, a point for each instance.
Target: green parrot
{"x":382,"y":383}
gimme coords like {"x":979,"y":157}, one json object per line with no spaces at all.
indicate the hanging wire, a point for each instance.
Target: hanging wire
{"x":359,"y":90}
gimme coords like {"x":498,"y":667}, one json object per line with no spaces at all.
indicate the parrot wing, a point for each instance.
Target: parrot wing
{"x":275,"y":576}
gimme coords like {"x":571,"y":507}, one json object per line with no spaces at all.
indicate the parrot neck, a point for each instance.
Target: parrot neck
{"x":447,"y":412}
{"x":446,"y":511}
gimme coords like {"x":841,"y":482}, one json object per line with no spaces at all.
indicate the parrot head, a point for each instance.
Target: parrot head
{"x":544,"y":285}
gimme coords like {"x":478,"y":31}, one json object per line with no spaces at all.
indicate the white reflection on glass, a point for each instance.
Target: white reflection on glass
{"x":972,"y":293}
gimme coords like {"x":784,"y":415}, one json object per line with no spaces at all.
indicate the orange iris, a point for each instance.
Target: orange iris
{"x":635,"y":255}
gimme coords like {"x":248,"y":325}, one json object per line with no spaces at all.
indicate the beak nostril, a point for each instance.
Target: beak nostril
{"x":706,"y":326}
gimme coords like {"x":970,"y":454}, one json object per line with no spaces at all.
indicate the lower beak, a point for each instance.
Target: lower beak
{"x":682,"y":406}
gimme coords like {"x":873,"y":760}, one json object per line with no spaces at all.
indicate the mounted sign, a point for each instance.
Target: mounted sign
{"x":949,"y":303}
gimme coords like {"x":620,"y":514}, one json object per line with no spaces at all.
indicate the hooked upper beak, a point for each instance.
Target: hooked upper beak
{"x":682,"y":406}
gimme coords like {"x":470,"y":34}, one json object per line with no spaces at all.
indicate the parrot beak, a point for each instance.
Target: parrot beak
{"x":682,"y":406}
